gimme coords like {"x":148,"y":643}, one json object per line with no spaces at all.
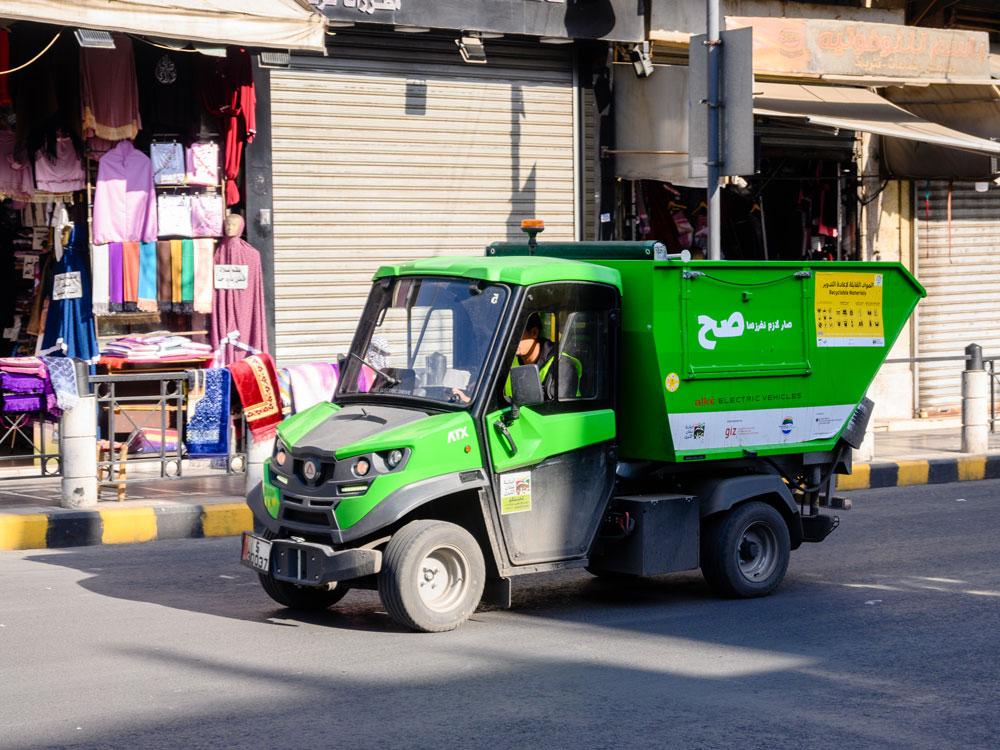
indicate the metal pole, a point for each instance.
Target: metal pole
{"x":714,"y":142}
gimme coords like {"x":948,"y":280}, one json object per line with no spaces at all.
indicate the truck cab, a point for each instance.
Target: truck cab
{"x":475,"y":436}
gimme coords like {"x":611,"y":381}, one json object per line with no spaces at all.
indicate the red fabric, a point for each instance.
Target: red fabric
{"x":5,"y":100}
{"x":257,"y":386}
{"x":228,"y":93}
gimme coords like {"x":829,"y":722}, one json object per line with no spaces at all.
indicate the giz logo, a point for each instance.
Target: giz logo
{"x":459,"y":434}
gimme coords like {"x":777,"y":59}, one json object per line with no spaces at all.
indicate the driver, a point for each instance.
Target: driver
{"x":533,"y":349}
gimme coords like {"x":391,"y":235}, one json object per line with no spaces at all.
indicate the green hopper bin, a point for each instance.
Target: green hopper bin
{"x":725,"y":359}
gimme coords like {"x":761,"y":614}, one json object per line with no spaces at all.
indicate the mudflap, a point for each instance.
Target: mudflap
{"x":817,"y":528}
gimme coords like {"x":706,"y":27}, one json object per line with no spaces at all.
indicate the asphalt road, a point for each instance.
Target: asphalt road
{"x":887,"y":635}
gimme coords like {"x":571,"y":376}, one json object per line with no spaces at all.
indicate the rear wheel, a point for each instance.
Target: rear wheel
{"x":744,"y":553}
{"x":432,"y":576}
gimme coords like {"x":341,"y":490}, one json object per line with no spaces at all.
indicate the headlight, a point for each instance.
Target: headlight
{"x":361,"y":467}
{"x":394,"y":458}
{"x":280,"y":454}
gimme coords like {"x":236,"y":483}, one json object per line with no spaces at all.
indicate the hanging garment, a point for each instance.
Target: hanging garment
{"x":312,"y":383}
{"x":174,"y":215}
{"x":110,"y":94}
{"x":168,"y":163}
{"x":100,"y":266}
{"x":5,"y":100}
{"x":70,"y":316}
{"x":207,"y":429}
{"x":187,"y":274}
{"x":116,"y":286}
{"x":61,"y":174}
{"x":147,"y":277}
{"x":165,"y":90}
{"x":124,"y":200}
{"x":285,"y":393}
{"x":60,"y":224}
{"x":256,"y":384}
{"x":164,"y":275}
{"x":15,"y":175}
{"x":228,"y":93}
{"x":130,"y":276}
{"x":176,"y":269}
{"x":207,"y":211}
{"x":204,"y":265}
{"x":203,"y":164}
{"x":62,"y":374}
{"x":241,"y":309}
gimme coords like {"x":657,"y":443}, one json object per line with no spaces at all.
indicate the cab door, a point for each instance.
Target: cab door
{"x":553,"y":466}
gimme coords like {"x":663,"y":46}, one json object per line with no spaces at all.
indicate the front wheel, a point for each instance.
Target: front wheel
{"x":744,"y":553}
{"x":432,"y":576}
{"x":304,"y":598}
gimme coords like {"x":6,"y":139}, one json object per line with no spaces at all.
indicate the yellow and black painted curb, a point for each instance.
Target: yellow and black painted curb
{"x":920,"y":471}
{"x":77,"y":528}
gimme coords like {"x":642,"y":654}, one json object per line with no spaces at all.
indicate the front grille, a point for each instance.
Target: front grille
{"x":302,"y":516}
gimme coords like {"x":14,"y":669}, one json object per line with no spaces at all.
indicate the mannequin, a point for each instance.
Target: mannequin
{"x":241,"y":308}
{"x":233,"y":226}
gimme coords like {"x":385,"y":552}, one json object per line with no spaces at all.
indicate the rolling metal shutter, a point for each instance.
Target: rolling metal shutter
{"x":392,"y":149}
{"x":959,"y":264}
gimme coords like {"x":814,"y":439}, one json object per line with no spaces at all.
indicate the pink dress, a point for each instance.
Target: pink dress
{"x":15,"y":177}
{"x":125,"y":200}
{"x":62,"y":175}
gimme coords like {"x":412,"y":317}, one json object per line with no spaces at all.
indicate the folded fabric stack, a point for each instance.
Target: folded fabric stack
{"x":27,"y":389}
{"x":155,"y":347}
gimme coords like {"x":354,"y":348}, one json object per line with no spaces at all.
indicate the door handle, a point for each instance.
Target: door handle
{"x":501,"y":427}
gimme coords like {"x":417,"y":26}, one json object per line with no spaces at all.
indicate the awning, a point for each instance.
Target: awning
{"x":859,"y":109}
{"x":282,"y":24}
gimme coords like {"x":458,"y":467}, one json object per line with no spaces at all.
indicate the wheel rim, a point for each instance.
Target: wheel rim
{"x":442,"y":578}
{"x":757,"y":551}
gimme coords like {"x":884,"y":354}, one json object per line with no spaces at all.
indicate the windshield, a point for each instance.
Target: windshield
{"x":424,"y":337}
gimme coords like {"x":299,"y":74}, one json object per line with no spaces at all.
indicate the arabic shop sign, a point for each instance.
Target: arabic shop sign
{"x":813,"y":47}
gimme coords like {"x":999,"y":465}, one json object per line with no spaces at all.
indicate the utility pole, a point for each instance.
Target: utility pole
{"x":714,"y":45}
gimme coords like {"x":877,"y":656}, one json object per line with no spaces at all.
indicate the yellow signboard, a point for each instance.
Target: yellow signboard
{"x":849,"y":309}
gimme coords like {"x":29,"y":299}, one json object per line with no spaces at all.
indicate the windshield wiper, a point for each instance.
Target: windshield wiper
{"x":390,"y":380}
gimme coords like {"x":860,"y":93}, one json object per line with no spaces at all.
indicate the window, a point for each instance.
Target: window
{"x":572,"y":347}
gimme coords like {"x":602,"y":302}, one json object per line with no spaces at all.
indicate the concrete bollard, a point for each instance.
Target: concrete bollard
{"x":257,"y":453}
{"x":866,"y":453}
{"x":975,"y":402}
{"x":78,"y":432}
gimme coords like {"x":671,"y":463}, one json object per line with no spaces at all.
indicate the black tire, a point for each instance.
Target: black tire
{"x":744,"y":553}
{"x":422,"y":556}
{"x":303,"y":598}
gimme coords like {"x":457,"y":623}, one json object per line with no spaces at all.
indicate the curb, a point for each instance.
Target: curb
{"x":908,"y":473}
{"x":122,"y":525}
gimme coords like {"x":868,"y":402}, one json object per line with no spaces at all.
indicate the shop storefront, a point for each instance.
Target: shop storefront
{"x":122,"y":185}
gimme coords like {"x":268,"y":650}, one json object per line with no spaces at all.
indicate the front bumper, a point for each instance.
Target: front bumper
{"x":310,"y":564}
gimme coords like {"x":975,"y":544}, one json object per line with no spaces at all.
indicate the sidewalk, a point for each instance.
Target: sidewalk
{"x":189,"y":507}
{"x":922,"y":457}
{"x":213,"y":505}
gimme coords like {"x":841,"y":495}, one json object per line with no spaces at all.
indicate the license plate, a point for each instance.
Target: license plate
{"x":256,"y":553}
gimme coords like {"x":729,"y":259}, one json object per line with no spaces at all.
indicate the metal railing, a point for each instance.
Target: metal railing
{"x":988,"y":363}
{"x":141,"y":423}
{"x":28,"y":440}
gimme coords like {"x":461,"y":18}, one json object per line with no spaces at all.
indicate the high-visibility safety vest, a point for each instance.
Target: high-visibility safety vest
{"x":544,"y":371}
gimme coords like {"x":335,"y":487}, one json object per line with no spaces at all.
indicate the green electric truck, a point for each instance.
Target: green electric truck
{"x":554,"y":405}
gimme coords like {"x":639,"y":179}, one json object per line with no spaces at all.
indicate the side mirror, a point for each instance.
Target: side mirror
{"x":526,"y":386}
